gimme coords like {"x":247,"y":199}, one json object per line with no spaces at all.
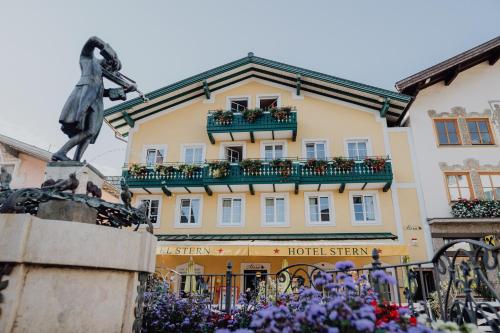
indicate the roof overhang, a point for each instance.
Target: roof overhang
{"x":389,"y":103}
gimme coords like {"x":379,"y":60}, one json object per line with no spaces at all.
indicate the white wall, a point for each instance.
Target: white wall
{"x":473,"y":89}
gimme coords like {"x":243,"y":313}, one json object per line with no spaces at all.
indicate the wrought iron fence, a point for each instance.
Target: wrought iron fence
{"x":460,"y":285}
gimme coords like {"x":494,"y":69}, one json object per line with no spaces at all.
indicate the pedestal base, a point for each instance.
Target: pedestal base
{"x":70,"y":277}
{"x":67,"y":211}
{"x":84,"y":173}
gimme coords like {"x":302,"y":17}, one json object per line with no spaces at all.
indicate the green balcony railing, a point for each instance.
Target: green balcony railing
{"x":264,"y":123}
{"x":292,"y":171}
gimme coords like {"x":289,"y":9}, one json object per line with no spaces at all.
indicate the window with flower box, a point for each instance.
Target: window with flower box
{"x":491,"y":185}
{"x":459,"y":186}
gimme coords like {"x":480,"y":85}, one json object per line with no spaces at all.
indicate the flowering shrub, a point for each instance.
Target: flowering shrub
{"x":223,"y":117}
{"x":219,"y":169}
{"x":318,"y":166}
{"x":464,"y":208}
{"x":138,"y":170}
{"x":343,"y":164}
{"x":251,"y":115}
{"x":281,"y":114}
{"x":252,"y":167}
{"x":376,"y":163}
{"x":338,"y":304}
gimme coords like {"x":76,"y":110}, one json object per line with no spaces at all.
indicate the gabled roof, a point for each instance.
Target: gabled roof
{"x":391,"y":104}
{"x":448,"y":70}
{"x":23,"y":147}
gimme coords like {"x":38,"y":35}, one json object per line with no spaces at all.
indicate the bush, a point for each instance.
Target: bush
{"x":223,"y":117}
{"x":251,"y":167}
{"x":251,"y":115}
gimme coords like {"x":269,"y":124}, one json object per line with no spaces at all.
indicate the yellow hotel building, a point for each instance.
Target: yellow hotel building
{"x":257,"y":161}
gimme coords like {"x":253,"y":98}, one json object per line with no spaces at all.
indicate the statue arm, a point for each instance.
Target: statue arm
{"x":106,"y":51}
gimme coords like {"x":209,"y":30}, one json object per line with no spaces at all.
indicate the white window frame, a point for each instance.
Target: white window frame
{"x":369,"y":151}
{"x":378,"y":216}
{"x":263,"y":197}
{"x":152,"y":197}
{"x":177,"y":223}
{"x":193,"y":145}
{"x":331,"y":207}
{"x":220,"y":199}
{"x":238,"y":97}
{"x":264,"y":143}
{"x":306,"y":141}
{"x":223,"y":146}
{"x":264,"y":96}
{"x":145,"y":149}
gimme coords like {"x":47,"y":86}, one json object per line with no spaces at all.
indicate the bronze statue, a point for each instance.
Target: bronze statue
{"x":125,"y":195}
{"x":94,"y":190}
{"x":5,"y":179}
{"x":83,"y":113}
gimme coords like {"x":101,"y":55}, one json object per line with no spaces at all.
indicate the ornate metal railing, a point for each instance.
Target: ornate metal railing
{"x":462,"y":286}
{"x":290,"y":170}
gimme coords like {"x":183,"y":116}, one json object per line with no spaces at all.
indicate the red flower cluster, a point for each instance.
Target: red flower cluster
{"x":386,"y":313}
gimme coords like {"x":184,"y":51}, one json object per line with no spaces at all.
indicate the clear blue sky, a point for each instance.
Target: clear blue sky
{"x":160,"y":42}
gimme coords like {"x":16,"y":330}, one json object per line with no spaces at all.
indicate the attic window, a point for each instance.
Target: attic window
{"x":238,"y":104}
{"x":267,"y":103}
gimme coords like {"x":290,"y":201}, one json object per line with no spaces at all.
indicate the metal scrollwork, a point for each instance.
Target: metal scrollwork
{"x":5,"y":269}
{"x":110,"y":214}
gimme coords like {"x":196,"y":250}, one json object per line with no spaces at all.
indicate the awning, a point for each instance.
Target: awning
{"x":278,"y":237}
{"x":281,"y":250}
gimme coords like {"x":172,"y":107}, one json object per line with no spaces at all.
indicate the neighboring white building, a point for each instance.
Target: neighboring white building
{"x":455,"y":126}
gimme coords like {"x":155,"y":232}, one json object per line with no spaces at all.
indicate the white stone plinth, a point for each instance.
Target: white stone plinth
{"x":70,"y":277}
{"x":84,"y":173}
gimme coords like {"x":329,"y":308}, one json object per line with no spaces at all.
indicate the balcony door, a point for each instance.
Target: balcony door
{"x":233,"y":154}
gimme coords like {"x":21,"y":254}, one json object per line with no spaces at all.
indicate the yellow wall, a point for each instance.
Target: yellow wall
{"x":317,"y":119}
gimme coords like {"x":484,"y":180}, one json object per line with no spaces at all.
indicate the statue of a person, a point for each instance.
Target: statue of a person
{"x":83,"y":113}
{"x":5,"y":179}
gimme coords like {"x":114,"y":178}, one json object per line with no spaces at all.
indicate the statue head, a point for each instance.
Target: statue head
{"x":2,"y":169}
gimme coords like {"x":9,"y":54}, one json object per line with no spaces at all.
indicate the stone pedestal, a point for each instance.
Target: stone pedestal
{"x":67,"y":211}
{"x":84,"y":173}
{"x":70,"y":277}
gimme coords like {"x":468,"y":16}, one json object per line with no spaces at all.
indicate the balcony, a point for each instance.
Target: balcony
{"x":262,"y":176}
{"x":252,"y":124}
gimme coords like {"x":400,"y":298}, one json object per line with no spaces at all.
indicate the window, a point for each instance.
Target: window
{"x":188,"y":212}
{"x":315,"y":150}
{"x":479,"y":131}
{"x":233,"y":154}
{"x":459,"y":186}
{"x":231,"y":210}
{"x":273,"y":150}
{"x":491,"y":186}
{"x":155,"y":154}
{"x":364,"y":208}
{"x":447,"y":131}
{"x":357,"y":148}
{"x":194,"y":154}
{"x":238,"y":104}
{"x":152,"y":210}
{"x":267,"y":103}
{"x":275,"y":209}
{"x":319,"y":209}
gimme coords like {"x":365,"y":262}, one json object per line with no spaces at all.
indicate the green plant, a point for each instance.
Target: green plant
{"x":250,"y":115}
{"x":283,"y":167}
{"x":219,"y":169}
{"x":343,"y":164}
{"x":165,"y":169}
{"x":189,"y":169}
{"x":281,"y":114}
{"x":138,"y":170}
{"x":376,"y":163}
{"x":318,"y":166}
{"x":252,"y":167}
{"x":223,"y":117}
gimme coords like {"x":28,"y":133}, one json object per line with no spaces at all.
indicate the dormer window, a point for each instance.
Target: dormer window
{"x":238,"y":104}
{"x":267,"y":103}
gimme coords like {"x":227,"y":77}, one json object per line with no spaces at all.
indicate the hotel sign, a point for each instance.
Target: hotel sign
{"x":284,"y":251}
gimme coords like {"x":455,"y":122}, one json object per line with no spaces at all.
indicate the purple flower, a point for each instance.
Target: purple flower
{"x":381,"y":276}
{"x":364,"y":325}
{"x":344,"y":265}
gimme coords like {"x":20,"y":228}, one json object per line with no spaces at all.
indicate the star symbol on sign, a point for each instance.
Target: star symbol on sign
{"x":379,"y":251}
{"x":276,"y":251}
{"x":220,"y":250}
